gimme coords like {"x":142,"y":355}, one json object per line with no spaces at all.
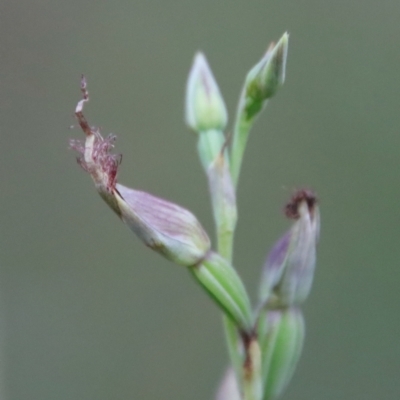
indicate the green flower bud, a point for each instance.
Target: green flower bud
{"x":264,"y":79}
{"x":261,"y":83}
{"x":289,"y":269}
{"x":281,"y":336}
{"x":163,"y":226}
{"x":205,"y":107}
{"x":222,"y":283}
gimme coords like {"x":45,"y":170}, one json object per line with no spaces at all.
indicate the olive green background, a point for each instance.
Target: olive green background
{"x":86,"y":311}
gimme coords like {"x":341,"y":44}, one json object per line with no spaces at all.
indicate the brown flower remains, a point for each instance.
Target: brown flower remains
{"x":292,"y":208}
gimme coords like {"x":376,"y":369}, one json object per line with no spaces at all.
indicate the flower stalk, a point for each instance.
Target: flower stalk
{"x":264,"y":344}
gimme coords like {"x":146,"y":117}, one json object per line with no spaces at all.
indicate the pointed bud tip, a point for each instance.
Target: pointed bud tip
{"x":282,"y":50}
{"x":200,"y":60}
{"x":265,"y":78}
{"x":204,"y":106}
{"x":277,"y":57}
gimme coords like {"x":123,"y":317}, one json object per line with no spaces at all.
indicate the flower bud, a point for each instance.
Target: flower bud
{"x":289,"y":269}
{"x":163,"y":226}
{"x":265,"y":77}
{"x":261,"y":83}
{"x":281,"y":337}
{"x":222,"y":283}
{"x":205,"y":107}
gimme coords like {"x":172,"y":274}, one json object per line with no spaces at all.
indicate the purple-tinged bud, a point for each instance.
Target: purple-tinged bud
{"x":289,"y":269}
{"x":165,"y":227}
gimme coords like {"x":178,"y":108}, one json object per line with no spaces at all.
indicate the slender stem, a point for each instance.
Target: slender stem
{"x":225,"y":249}
{"x":225,"y":243}
{"x":244,"y":354}
{"x":239,"y":141}
{"x":224,"y":240}
{"x":248,"y":368}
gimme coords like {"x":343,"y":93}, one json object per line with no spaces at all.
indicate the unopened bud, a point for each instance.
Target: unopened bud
{"x":165,"y":227}
{"x":222,"y":283}
{"x":289,"y":269}
{"x":281,"y":337}
{"x":205,"y":108}
{"x":261,"y":83}
{"x":265,"y":77}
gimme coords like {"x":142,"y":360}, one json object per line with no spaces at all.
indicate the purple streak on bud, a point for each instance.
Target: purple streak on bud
{"x":278,"y":253}
{"x":273,"y":267}
{"x":163,"y":226}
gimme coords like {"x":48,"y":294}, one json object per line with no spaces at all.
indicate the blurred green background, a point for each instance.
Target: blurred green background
{"x":87,"y":312}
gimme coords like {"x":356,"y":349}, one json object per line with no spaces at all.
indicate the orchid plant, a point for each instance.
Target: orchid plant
{"x":264,"y":342}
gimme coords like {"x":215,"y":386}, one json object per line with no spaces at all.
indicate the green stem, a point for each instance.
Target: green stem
{"x":239,"y":141}
{"x":225,"y":242}
{"x":223,"y":176}
{"x":248,"y":368}
{"x":225,"y":249}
